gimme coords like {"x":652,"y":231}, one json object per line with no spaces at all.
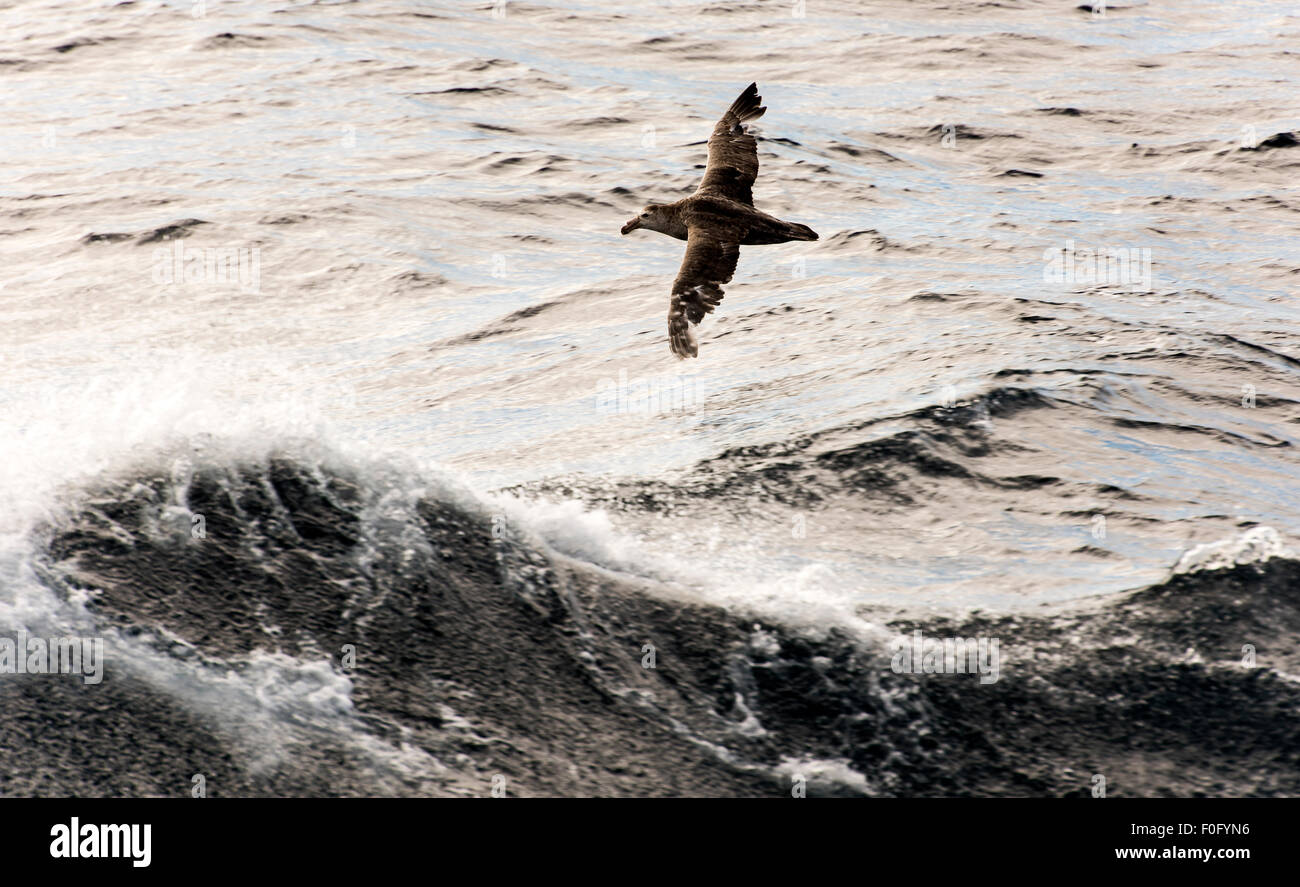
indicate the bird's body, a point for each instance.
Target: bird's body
{"x":715,"y":222}
{"x":728,"y":219}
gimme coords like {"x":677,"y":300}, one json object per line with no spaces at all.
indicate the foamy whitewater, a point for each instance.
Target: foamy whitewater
{"x":334,"y":407}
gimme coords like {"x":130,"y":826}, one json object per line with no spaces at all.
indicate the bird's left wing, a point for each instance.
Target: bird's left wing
{"x":709,"y":263}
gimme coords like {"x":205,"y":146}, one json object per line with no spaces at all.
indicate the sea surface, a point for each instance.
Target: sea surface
{"x":334,"y":404}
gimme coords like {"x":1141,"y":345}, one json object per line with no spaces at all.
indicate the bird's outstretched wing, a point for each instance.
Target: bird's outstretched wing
{"x":733,"y":153}
{"x":709,"y":263}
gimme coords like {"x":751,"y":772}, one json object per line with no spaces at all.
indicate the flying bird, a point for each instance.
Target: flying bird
{"x":715,"y":222}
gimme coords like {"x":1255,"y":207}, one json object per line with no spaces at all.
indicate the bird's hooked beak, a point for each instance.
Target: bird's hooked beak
{"x":632,"y":225}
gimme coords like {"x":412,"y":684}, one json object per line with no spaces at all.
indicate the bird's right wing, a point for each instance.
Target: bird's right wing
{"x":709,"y":263}
{"x":733,"y":152}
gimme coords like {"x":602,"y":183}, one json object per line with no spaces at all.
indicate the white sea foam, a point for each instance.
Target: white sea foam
{"x":1256,"y":545}
{"x":810,"y":597}
{"x":817,"y":773}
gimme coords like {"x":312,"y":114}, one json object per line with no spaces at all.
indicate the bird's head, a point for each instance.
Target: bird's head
{"x":651,"y":217}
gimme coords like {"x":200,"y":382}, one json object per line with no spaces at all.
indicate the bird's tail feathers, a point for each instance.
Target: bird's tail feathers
{"x":800,"y":232}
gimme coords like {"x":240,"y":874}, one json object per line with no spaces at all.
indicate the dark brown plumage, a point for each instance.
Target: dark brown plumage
{"x":715,"y":222}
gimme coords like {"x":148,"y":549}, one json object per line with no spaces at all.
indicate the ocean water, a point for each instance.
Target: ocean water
{"x":319,"y":332}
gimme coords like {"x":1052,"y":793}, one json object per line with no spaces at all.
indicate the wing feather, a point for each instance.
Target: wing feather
{"x":709,"y":262}
{"x":733,"y":152}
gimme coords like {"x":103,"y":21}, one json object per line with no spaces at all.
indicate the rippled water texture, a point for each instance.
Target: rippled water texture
{"x":422,"y":202}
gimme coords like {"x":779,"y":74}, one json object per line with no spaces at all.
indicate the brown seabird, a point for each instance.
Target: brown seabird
{"x":715,"y":221}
